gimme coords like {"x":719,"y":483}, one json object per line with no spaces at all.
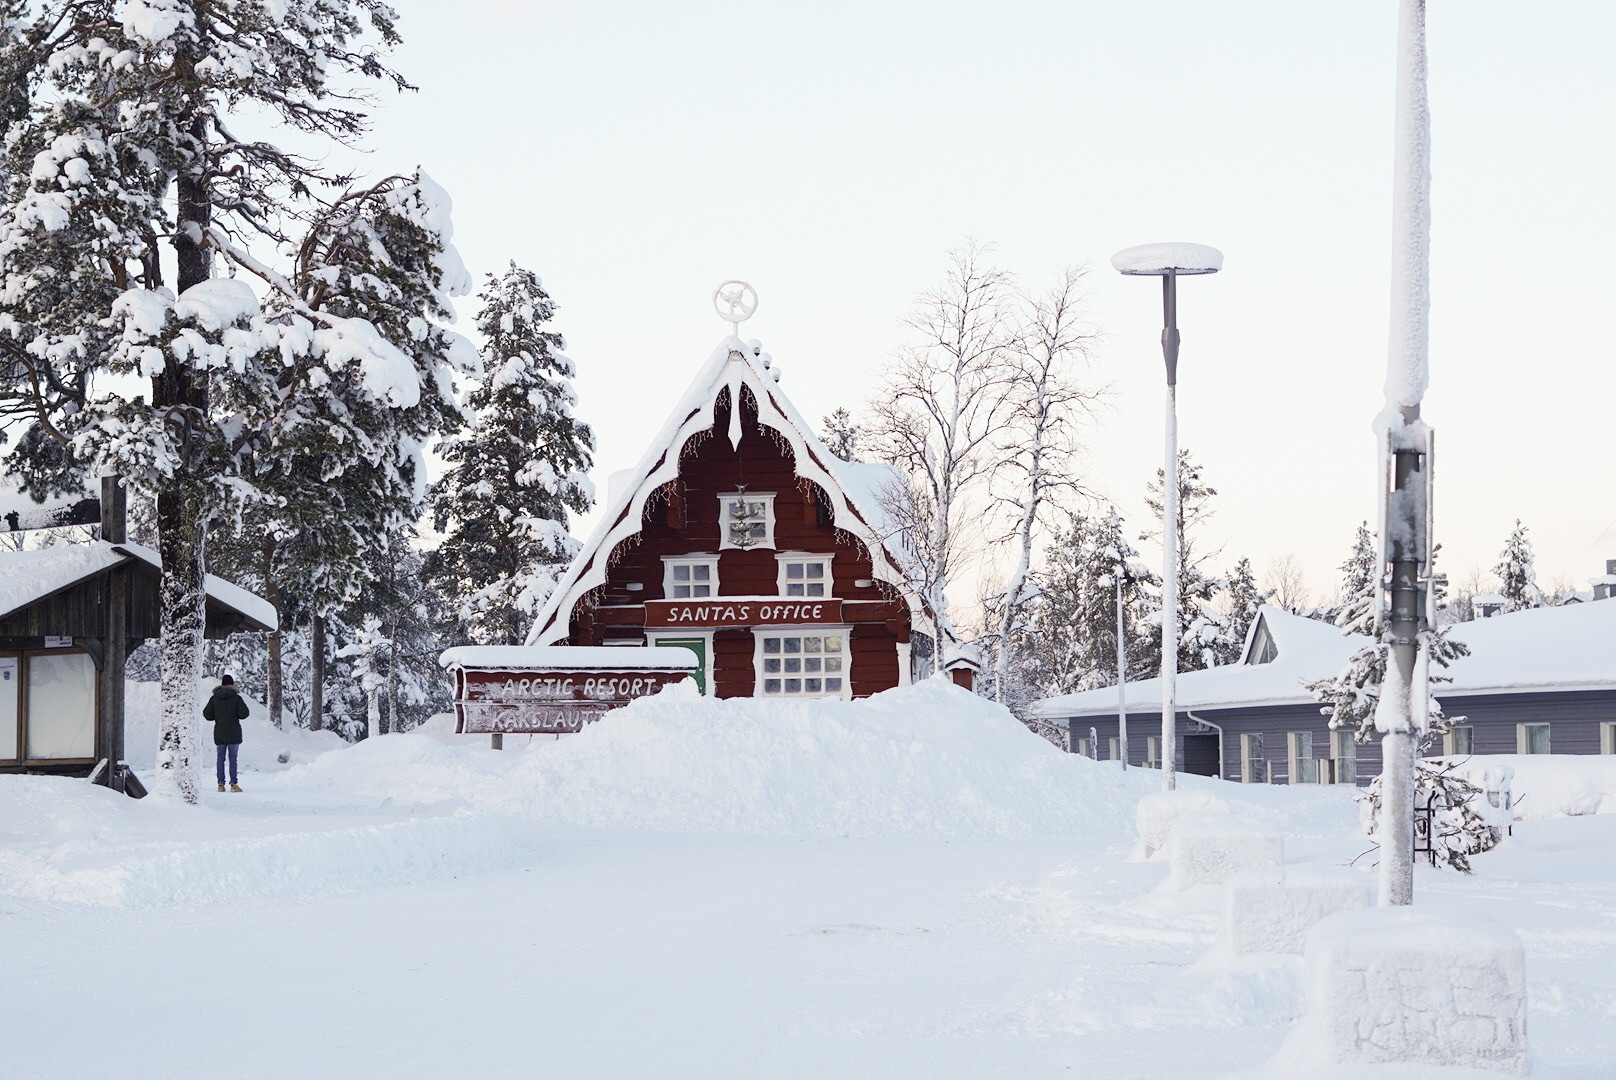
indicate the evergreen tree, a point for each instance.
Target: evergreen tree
{"x":516,"y":474}
{"x":1244,"y":600}
{"x":1516,"y":573}
{"x":841,"y":434}
{"x":124,"y":165}
{"x":1202,"y":630}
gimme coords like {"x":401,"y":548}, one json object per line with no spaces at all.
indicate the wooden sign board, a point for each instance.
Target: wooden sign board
{"x":493,"y":702}
{"x":721,"y":612}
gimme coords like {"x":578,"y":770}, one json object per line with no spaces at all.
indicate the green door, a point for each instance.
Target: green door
{"x":694,"y":644}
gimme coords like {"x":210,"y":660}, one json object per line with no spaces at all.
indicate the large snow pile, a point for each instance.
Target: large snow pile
{"x":1395,"y":988}
{"x":1210,"y":848}
{"x":1551,"y":785}
{"x":1271,"y":910}
{"x":926,"y":761}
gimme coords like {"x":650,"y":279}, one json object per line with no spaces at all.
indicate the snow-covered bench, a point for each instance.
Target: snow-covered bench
{"x":1271,"y":910}
{"x":1208,"y":849}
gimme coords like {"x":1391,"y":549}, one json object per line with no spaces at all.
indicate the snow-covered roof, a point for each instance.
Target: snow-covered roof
{"x":568,"y":658}
{"x":19,"y":511}
{"x":853,"y":489}
{"x":26,"y":577}
{"x":1538,"y":650}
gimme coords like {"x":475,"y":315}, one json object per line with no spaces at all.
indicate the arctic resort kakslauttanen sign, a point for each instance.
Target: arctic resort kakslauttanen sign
{"x":546,"y":702}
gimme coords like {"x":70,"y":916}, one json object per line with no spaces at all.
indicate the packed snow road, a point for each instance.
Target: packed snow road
{"x":371,"y":926}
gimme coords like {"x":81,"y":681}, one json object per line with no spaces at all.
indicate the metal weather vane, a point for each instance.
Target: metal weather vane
{"x":735,"y":302}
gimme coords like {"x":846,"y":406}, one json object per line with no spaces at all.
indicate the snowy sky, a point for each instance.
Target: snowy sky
{"x":636,"y":155}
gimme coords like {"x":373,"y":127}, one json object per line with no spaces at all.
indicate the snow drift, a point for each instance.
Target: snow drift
{"x":924,"y":761}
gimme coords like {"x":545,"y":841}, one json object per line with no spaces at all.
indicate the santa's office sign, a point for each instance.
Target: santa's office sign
{"x":494,"y":702}
{"x":724,"y":612}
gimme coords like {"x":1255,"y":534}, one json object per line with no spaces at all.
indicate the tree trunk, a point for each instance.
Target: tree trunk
{"x":316,"y":672}
{"x":180,"y":540}
{"x":272,"y":593}
{"x":390,"y":720}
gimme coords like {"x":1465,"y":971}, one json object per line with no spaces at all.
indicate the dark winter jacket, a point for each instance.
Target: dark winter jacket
{"x":227,"y":711}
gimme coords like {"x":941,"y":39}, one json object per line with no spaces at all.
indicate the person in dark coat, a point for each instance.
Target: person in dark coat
{"x":227,"y":710}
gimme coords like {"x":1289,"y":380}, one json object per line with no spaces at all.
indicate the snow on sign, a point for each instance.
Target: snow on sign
{"x":554,"y":691}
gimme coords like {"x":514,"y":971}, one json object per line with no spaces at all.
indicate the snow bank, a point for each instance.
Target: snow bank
{"x":1160,"y":810}
{"x":1271,"y":910}
{"x":1394,"y":988}
{"x":1551,"y":785}
{"x":930,"y":760}
{"x":262,"y":746}
{"x":1208,"y":849}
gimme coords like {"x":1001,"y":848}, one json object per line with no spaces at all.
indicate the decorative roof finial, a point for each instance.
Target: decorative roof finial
{"x":735,"y":301}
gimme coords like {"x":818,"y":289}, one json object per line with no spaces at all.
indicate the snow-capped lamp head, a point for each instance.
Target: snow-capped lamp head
{"x":1169,"y":262}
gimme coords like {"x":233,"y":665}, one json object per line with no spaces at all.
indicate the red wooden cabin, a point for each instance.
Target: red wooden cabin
{"x":741,"y":538}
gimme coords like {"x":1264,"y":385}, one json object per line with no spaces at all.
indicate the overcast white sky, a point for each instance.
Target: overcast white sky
{"x":637,"y":154}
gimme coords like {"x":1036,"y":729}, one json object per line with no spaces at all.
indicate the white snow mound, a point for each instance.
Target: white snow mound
{"x":930,"y":760}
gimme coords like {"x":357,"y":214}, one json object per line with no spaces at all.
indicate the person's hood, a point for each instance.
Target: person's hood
{"x":221,"y":690}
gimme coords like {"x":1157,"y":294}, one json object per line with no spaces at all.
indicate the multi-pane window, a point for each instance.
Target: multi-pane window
{"x":1343,"y":757}
{"x":1253,"y":768}
{"x":802,"y":664}
{"x":1607,"y":736}
{"x":746,"y":520}
{"x":1531,"y":738}
{"x":1114,"y":748}
{"x":690,"y":578}
{"x":1459,"y":740}
{"x":1303,"y":769}
{"x":804,"y":575}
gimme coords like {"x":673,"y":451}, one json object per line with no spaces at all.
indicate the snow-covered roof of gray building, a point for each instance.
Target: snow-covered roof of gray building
{"x":1539,"y":650}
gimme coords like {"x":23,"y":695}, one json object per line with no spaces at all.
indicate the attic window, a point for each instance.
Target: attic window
{"x":689,"y":577}
{"x":804,"y":575}
{"x":1263,"y":649}
{"x":746,"y":519}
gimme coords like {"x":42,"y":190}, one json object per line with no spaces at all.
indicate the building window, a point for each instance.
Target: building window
{"x":1263,"y":649}
{"x":1459,"y":741}
{"x":1085,"y":748}
{"x":804,"y":575}
{"x":1152,"y":751}
{"x":1253,"y":769}
{"x":1531,"y":738}
{"x":61,"y":706}
{"x":802,"y":664}
{"x":1343,"y":757}
{"x":1302,"y":768}
{"x":1113,"y":749}
{"x":1607,"y":737}
{"x":689,"y":577}
{"x":746,"y":520}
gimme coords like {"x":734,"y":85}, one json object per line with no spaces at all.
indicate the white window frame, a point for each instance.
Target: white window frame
{"x":724,"y":501}
{"x":1607,"y":736}
{"x":1299,"y":766}
{"x":1084,"y":749}
{"x":1113,"y":748}
{"x":1523,"y":737}
{"x":1251,"y":750}
{"x":1450,"y":740}
{"x":669,"y":562}
{"x":1343,"y":748}
{"x":784,"y":561}
{"x":760,"y":633}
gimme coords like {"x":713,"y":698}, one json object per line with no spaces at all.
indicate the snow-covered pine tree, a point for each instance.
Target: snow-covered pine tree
{"x":1244,"y":598}
{"x":515,"y":475}
{"x":128,"y":149}
{"x":841,"y":434}
{"x":1517,"y":574}
{"x":1351,"y":695}
{"x":1202,"y":629}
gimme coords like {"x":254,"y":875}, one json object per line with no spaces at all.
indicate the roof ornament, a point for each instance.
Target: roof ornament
{"x":735,"y":302}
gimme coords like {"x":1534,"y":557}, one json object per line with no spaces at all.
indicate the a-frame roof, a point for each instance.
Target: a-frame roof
{"x":854,"y":488}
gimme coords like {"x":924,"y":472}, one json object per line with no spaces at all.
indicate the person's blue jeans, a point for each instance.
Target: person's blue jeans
{"x":230,"y":752}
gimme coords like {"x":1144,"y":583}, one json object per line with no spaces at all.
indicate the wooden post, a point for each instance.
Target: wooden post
{"x":115,"y":631}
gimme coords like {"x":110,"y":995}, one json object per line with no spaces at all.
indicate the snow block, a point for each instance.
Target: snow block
{"x":1209,"y":849}
{"x":1400,"y":985}
{"x":1157,"y":813}
{"x":1271,"y":910}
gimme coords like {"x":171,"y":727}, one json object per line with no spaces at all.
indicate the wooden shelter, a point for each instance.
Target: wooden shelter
{"x":69,"y":615}
{"x":740,"y":537}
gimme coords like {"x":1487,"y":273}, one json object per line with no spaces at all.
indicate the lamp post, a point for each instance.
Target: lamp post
{"x":1169,"y":262}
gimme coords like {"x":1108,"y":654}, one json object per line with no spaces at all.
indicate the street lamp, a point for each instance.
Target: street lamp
{"x":1169,"y":262}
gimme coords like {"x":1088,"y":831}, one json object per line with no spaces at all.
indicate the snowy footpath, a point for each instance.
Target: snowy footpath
{"x":912,"y":886}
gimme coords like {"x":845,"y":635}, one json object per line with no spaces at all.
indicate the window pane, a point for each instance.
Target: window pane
{"x":682,"y":573}
{"x":817,"y":588}
{"x":793,"y":686}
{"x":771,"y":644}
{"x":833,"y":643}
{"x":793,"y":664}
{"x":793,"y":590}
{"x":771,"y":666}
{"x":816,"y":570}
{"x":811,"y":686}
{"x":681,"y":592}
{"x":813,"y":644}
{"x":793,"y":570}
{"x":833,"y":663}
{"x":701,"y":573}
{"x":61,"y":706}
{"x":701,"y":590}
{"x":811,"y":664}
{"x":757,"y":531}
{"x":771,"y":686}
{"x":10,"y":687}
{"x":834,"y":685}
{"x":792,"y":644}
{"x":1463,"y":740}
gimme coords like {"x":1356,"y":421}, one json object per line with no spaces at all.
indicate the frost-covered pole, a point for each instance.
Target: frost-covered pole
{"x":1401,"y":713}
{"x":1122,"y":675}
{"x":1168,"y":262}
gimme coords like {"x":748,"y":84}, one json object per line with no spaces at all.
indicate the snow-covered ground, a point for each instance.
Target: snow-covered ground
{"x":909,"y":887}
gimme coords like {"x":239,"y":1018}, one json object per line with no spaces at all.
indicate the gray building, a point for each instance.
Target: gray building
{"x":1535,"y":682}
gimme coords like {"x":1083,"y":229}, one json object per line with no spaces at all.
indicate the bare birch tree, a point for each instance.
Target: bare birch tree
{"x":1038,"y":449}
{"x":946,"y":397}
